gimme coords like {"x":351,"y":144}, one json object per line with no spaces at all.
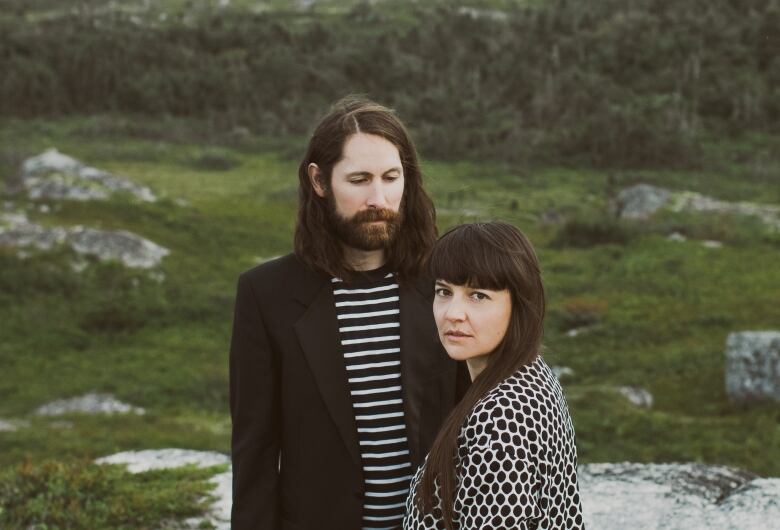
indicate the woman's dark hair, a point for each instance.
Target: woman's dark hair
{"x":315,"y":243}
{"x":494,"y":256}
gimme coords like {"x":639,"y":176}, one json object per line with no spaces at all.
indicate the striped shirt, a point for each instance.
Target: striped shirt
{"x":368,"y":313}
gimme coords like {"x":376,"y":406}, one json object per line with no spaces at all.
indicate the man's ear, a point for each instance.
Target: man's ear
{"x":315,"y":177}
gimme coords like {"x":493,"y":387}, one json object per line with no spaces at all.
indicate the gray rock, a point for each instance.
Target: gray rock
{"x":562,"y":371}
{"x":688,"y":201}
{"x":676,"y":236}
{"x":128,"y":248}
{"x":146,"y":460}
{"x":710,"y":243}
{"x":638,"y":396}
{"x":218,"y":514}
{"x":88,"y":404}
{"x":643,"y":200}
{"x":676,"y":497}
{"x":753,"y":365}
{"x":640,"y":201}
{"x":7,"y":426}
{"x":53,"y":175}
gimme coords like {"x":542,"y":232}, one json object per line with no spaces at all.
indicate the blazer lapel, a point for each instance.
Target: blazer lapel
{"x":419,"y":345}
{"x":317,"y":332}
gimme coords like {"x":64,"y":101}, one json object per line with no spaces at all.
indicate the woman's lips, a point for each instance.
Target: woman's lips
{"x":456,"y":335}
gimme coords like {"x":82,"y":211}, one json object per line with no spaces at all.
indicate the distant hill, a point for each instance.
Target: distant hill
{"x":604,"y":82}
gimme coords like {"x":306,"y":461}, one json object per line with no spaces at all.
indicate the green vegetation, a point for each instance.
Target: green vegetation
{"x":538,"y":117}
{"x":608,"y":83}
{"x":52,"y":494}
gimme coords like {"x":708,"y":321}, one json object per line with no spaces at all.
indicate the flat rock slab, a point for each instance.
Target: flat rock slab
{"x":132,"y":250}
{"x":676,"y":497}
{"x":643,"y":200}
{"x":54,"y":175}
{"x":88,"y":404}
{"x":614,"y":496}
{"x":219,"y":510}
{"x":753,"y":366}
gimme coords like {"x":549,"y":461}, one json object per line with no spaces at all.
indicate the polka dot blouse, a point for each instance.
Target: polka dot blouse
{"x":517,"y":461}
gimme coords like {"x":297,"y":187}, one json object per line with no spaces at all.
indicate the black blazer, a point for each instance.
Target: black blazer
{"x":296,"y":458}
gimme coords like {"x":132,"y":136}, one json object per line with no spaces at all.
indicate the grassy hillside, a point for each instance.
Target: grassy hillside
{"x":662,"y":309}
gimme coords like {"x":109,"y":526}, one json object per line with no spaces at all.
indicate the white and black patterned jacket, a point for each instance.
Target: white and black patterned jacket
{"x":517,"y":461}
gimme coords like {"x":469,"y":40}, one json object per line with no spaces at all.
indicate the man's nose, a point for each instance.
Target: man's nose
{"x":376,"y":195}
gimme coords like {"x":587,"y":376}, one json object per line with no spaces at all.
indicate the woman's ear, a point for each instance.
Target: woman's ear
{"x":315,"y":177}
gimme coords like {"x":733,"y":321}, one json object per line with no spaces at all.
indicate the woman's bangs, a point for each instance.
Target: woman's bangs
{"x":462,"y":257}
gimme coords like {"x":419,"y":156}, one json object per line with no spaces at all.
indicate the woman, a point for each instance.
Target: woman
{"x":505,"y":457}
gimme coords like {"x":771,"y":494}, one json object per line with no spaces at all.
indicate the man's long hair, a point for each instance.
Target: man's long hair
{"x":492,"y":256}
{"x":315,"y":241}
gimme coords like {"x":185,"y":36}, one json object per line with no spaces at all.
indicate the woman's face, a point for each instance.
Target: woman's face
{"x":471,"y":321}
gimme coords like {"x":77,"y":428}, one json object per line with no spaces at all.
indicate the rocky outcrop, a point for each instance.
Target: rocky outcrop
{"x":53,"y":175}
{"x":88,"y":404}
{"x":676,"y":497}
{"x":17,"y":231}
{"x":637,"y":396}
{"x":614,"y":496}
{"x":753,"y":366}
{"x":688,"y":201}
{"x":643,"y":200}
{"x":640,"y":201}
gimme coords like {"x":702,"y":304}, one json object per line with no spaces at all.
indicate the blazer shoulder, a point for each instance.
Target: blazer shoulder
{"x":277,"y":269}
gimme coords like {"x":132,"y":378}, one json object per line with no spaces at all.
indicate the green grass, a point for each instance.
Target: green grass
{"x":665,"y":308}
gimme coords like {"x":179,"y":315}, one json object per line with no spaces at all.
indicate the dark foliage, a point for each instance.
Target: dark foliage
{"x":603,"y":82}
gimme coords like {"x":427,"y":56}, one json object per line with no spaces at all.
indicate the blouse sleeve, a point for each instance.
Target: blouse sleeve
{"x":499,"y":489}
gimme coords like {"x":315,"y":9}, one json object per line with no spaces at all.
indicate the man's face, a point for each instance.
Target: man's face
{"x":366,"y":188}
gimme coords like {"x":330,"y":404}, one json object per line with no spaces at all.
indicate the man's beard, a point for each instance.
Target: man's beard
{"x":358,"y":232}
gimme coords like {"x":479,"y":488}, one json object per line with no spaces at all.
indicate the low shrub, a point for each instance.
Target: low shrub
{"x":590,"y":233}
{"x":80,"y":494}
{"x":579,"y":312}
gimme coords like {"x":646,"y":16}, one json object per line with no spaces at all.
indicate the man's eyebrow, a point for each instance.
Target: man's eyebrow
{"x":369,"y":174}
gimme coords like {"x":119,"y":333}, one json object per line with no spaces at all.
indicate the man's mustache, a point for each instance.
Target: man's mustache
{"x":380,"y":214}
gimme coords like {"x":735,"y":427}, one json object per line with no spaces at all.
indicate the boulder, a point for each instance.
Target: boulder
{"x":88,"y":404}
{"x":676,"y":497}
{"x":753,"y":366}
{"x":130,"y":249}
{"x":53,"y":175}
{"x":562,"y":371}
{"x":7,"y":426}
{"x":640,"y":201}
{"x":637,"y":396}
{"x":16,"y":230}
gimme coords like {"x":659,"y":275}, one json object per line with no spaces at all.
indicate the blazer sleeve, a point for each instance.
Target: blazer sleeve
{"x":254,"y":410}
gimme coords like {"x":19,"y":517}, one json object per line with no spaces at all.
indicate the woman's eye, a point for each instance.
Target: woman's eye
{"x":441,"y":291}
{"x":479,"y":296}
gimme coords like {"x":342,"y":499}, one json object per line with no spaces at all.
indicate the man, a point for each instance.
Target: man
{"x":338,"y":382}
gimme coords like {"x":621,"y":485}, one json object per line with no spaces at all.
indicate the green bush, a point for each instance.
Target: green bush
{"x":80,"y":494}
{"x":580,"y":233}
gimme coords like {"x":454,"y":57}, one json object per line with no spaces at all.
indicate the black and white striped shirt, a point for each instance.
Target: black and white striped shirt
{"x":368,"y":313}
